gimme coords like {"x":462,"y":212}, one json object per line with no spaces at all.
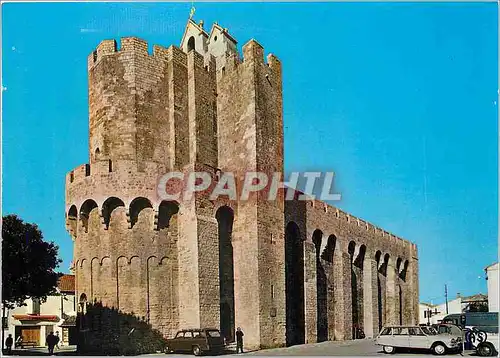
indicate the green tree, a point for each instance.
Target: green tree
{"x":28,"y":264}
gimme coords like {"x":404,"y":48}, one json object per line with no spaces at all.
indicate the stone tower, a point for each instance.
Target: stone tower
{"x":194,"y":108}
{"x":287,"y":274}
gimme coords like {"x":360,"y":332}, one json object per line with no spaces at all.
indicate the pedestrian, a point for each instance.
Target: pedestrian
{"x":239,"y":340}
{"x":8,"y":343}
{"x":51,"y":342}
{"x":57,"y":339}
{"x":19,"y":342}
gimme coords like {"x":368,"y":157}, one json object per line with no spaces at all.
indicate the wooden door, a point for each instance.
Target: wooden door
{"x":31,"y":334}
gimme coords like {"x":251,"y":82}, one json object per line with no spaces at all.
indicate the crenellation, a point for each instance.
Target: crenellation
{"x":253,"y":52}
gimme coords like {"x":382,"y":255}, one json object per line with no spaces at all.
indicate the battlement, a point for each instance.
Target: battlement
{"x":253,"y":54}
{"x":137,"y":46}
{"x":355,"y":221}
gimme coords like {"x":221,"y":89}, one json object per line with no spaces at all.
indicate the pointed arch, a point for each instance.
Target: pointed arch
{"x":294,"y":285}
{"x":329,"y":251}
{"x":225,"y":219}
{"x":321,"y":290}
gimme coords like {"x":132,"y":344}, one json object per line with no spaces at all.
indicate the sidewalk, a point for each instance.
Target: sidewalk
{"x":39,"y":351}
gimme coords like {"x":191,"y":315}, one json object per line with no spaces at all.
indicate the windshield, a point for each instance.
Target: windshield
{"x":429,"y":331}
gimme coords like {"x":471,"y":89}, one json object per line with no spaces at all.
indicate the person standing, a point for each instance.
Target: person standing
{"x":51,"y":342}
{"x":57,"y":339}
{"x":8,"y":343}
{"x":239,"y":340}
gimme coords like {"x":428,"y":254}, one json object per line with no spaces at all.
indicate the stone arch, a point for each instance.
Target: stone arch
{"x":355,"y":281}
{"x":191,"y":44}
{"x":148,"y":288}
{"x":93,"y":277}
{"x":82,"y":311}
{"x":225,"y":220}
{"x":385,"y":263}
{"x":83,"y":303}
{"x":358,"y":271}
{"x":167,"y":215}
{"x":107,"y":282}
{"x":97,"y":153}
{"x":321,"y":290}
{"x":136,"y":290}
{"x":294,"y":285}
{"x":73,"y":212}
{"x":398,"y":264}
{"x":404,"y":271}
{"x":135,"y":208}
{"x":108,"y":206}
{"x":165,"y":303}
{"x":72,"y":220}
{"x":118,"y":260}
{"x":85,"y":210}
{"x":329,"y":251}
{"x":351,"y":249}
{"x":380,"y":291}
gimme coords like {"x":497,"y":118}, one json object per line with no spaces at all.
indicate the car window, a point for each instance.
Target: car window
{"x":213,"y":333}
{"x":179,"y":335}
{"x":429,"y":331}
{"x":415,"y":331}
{"x":198,"y":334}
{"x":188,"y":334}
{"x":444,"y":329}
{"x":386,"y":332}
{"x":400,"y":331}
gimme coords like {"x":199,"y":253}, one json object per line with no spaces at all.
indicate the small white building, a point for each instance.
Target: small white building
{"x":36,"y":319}
{"x":434,"y":313}
{"x":492,"y":277}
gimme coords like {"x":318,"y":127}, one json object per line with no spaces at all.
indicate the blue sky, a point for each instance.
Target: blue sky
{"x":398,"y":99}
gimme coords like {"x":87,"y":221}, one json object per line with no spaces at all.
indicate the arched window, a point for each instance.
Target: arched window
{"x":191,"y":43}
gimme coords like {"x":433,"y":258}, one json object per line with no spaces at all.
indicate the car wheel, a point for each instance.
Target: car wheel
{"x":389,"y":349}
{"x":166,"y":349}
{"x":439,"y":349}
{"x":486,"y":349}
{"x":196,"y":351}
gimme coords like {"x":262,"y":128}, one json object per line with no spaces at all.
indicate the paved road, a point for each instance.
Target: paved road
{"x":365,"y":347}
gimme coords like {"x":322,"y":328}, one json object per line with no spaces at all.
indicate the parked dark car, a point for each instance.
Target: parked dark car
{"x":196,"y":341}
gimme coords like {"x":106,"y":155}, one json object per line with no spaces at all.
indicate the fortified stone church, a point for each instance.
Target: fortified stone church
{"x":287,"y":272}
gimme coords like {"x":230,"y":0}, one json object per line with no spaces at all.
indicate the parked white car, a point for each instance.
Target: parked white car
{"x":415,"y":337}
